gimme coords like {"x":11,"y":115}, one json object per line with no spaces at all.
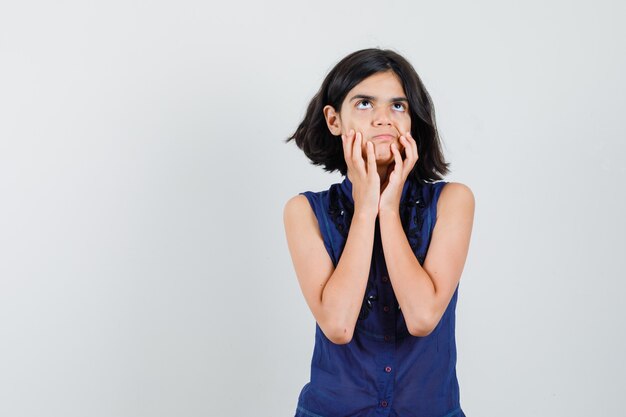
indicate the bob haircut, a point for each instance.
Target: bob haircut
{"x":323,"y":148}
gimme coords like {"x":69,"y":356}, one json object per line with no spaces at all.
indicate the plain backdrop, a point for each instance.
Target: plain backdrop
{"x":144,"y":269}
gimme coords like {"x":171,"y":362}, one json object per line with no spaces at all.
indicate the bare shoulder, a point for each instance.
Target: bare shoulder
{"x":456,"y":197}
{"x":298,"y":216}
{"x":297,"y":207}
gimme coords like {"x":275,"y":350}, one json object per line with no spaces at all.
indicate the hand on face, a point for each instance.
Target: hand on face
{"x":364,"y":178}
{"x":363,"y":170}
{"x":376,"y":106}
{"x":382,"y":149}
{"x":397,"y":173}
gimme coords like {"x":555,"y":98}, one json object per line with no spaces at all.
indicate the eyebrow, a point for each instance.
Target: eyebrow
{"x":393,"y":99}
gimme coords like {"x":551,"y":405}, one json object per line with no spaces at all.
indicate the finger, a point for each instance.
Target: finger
{"x":398,"y":158}
{"x":413,"y":144}
{"x":347,"y":148}
{"x":357,"y":154}
{"x":408,"y":146}
{"x":371,"y":158}
{"x":348,"y":142}
{"x":411,"y":158}
{"x":409,"y":151}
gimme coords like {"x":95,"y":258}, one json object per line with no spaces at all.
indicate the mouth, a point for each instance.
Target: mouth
{"x":384,"y":137}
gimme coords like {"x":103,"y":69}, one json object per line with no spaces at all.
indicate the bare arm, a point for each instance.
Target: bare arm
{"x":334,"y":295}
{"x":425,"y":292}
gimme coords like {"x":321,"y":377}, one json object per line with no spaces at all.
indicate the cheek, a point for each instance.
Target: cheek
{"x":404,"y":119}
{"x":360,"y":117}
{"x":403,"y":123}
{"x":358,"y":122}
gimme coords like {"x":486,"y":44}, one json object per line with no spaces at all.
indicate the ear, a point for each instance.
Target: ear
{"x":333,"y":120}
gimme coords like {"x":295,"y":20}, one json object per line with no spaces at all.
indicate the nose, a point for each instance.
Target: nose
{"x":381,"y":117}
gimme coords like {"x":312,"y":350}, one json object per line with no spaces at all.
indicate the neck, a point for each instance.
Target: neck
{"x":382,"y":172}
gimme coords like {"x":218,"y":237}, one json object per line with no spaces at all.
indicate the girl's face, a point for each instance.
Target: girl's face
{"x":378,"y":108}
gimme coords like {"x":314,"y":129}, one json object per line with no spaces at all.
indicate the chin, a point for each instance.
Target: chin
{"x":385,"y":160}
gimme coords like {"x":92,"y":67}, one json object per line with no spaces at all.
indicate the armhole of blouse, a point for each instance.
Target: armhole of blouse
{"x":437,"y":188}
{"x":322,"y":222}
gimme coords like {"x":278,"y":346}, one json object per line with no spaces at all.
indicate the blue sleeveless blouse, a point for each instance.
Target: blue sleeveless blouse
{"x":383,"y":370}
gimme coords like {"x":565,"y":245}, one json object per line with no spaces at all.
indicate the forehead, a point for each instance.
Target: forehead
{"x":381,"y":84}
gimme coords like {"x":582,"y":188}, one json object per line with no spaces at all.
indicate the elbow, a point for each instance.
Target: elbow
{"x":341,"y":340}
{"x":421,"y":328}
{"x":420,"y":331}
{"x":339,"y":335}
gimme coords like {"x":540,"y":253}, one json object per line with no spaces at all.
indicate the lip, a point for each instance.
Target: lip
{"x":384,"y":137}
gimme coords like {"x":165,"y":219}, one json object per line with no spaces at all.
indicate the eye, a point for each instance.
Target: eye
{"x":402,"y":106}
{"x":362,"y":102}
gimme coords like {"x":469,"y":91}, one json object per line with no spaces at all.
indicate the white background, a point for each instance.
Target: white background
{"x":144,"y":269}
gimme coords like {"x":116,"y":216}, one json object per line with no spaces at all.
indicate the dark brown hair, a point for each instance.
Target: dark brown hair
{"x":323,"y":148}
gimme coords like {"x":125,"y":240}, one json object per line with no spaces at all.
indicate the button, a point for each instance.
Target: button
{"x":385,"y":278}
{"x":383,"y":403}
{"x":387,"y":338}
{"x":386,"y":309}
{"x":388,"y":369}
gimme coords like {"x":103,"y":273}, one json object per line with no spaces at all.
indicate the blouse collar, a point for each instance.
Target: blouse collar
{"x":346,"y":188}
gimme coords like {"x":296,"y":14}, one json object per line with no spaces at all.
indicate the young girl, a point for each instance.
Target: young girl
{"x":379,"y":256}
